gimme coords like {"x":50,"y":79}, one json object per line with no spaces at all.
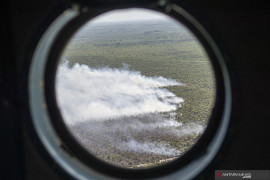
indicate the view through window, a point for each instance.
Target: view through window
{"x":135,"y":88}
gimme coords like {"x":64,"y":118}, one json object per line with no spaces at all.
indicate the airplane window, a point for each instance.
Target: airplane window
{"x":135,"y":88}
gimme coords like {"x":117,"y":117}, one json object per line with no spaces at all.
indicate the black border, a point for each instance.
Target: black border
{"x":75,"y":149}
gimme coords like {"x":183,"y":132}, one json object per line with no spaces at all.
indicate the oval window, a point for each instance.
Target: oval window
{"x":135,"y":88}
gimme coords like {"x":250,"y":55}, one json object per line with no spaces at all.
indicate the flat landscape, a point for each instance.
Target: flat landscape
{"x":162,"y":91}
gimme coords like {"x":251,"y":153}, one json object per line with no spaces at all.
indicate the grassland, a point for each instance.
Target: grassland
{"x":155,"y":49}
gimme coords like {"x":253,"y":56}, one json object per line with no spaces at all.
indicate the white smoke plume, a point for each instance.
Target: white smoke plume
{"x":85,"y":93}
{"x":152,"y":148}
{"x":108,"y":107}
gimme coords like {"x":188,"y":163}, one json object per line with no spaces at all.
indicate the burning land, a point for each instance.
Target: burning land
{"x":131,"y":141}
{"x":135,"y":95}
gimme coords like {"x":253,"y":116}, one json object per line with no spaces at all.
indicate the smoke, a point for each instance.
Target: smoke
{"x":85,"y":93}
{"x":152,"y":148}
{"x":108,"y":108}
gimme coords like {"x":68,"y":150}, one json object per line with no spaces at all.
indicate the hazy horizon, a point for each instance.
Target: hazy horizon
{"x":133,"y":14}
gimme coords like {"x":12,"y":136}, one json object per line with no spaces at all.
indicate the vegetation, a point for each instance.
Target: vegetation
{"x":155,"y":49}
